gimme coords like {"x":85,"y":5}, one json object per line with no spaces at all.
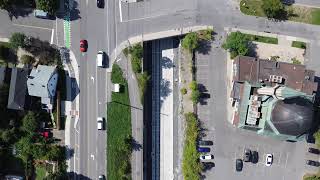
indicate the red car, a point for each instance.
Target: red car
{"x":83,"y":45}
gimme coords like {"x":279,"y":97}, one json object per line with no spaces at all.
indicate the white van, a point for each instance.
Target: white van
{"x":100,"y":123}
{"x":100,"y":59}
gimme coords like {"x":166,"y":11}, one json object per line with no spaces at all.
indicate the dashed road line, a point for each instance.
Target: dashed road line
{"x":28,"y":26}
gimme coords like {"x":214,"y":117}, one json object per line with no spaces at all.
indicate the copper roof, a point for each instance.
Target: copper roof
{"x":258,"y":70}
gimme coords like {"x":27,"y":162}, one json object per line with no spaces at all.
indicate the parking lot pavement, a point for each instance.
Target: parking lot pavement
{"x":230,"y":142}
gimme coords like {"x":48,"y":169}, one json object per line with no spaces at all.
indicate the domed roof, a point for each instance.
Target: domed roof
{"x":292,"y":116}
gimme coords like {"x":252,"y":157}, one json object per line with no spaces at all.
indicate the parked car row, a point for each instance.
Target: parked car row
{"x":311,"y":162}
{"x":252,"y":156}
{"x":203,"y":148}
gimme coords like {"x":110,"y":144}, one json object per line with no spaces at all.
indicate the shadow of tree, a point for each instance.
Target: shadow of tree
{"x":164,"y":90}
{"x":167,"y":63}
{"x":204,"y":47}
{"x":136,"y":146}
{"x":16,"y":12}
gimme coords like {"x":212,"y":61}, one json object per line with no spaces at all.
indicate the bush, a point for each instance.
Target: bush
{"x":136,"y":51}
{"x":295,"y":61}
{"x":17,"y":40}
{"x":190,"y":42}
{"x":136,"y":65}
{"x":273,"y":9}
{"x":142,"y":82}
{"x":183,"y":91}
{"x":316,"y":135}
{"x":195,"y":95}
{"x":26,"y":59}
{"x":237,"y":43}
{"x":193,"y":85}
{"x":191,"y":167}
{"x":206,"y":34}
{"x":49,"y":6}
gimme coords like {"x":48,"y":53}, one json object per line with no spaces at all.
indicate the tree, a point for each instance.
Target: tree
{"x":273,"y":8}
{"x":5,"y":4}
{"x":17,"y":40}
{"x":24,"y":147}
{"x":30,"y":123}
{"x":190,"y":42}
{"x":26,"y":59}
{"x":49,"y":6}
{"x":237,"y":43}
{"x":316,"y":135}
{"x":56,"y":153}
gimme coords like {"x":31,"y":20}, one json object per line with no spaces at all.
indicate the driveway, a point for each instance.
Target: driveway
{"x":229,"y":142}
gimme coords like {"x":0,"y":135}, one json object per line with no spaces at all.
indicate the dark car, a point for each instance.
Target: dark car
{"x":314,"y":151}
{"x":203,"y":149}
{"x":310,"y":138}
{"x":101,"y":177}
{"x":205,"y":143}
{"x":207,"y":165}
{"x":254,"y":157}
{"x":239,"y":165}
{"x":313,"y":163}
{"x":100,"y":3}
{"x":247,"y":155}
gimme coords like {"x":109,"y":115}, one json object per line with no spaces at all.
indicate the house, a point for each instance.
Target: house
{"x":18,"y":88}
{"x":273,"y":98}
{"x":42,"y":82}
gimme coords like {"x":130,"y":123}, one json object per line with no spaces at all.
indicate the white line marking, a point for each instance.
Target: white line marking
{"x":32,"y":26}
{"x":118,"y":60}
{"x":57,"y":41}
{"x":120,"y":10}
{"x":87,"y":2}
{"x":52,"y":34}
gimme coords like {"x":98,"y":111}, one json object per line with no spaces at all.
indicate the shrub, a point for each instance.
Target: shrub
{"x":206,"y":34}
{"x":136,"y":51}
{"x":26,"y":59}
{"x":183,"y":91}
{"x":237,"y":43}
{"x":316,"y":135}
{"x":142,"y":82}
{"x":295,"y":61}
{"x":193,"y":85}
{"x":17,"y":40}
{"x":195,"y":95}
{"x":136,"y":65}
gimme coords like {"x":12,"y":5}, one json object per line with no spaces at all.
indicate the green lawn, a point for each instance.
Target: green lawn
{"x":40,"y":173}
{"x":296,"y":13}
{"x":118,"y":129}
{"x":299,"y":44}
{"x":263,"y":39}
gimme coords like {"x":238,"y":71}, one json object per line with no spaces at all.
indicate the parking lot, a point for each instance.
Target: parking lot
{"x":289,"y":159}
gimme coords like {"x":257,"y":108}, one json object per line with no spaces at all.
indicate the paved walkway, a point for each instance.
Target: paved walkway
{"x":136,"y":118}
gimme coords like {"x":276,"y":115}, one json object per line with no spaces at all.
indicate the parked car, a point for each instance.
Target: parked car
{"x":205,"y":143}
{"x":247,"y":155}
{"x":41,"y":14}
{"x":101,"y":177}
{"x":83,"y":45}
{"x":100,"y":123}
{"x":203,"y":149}
{"x":314,"y":150}
{"x":100,"y":3}
{"x":255,"y":157}
{"x":313,"y":163}
{"x":269,"y":159}
{"x":239,"y":164}
{"x":206,"y":157}
{"x":207,"y":165}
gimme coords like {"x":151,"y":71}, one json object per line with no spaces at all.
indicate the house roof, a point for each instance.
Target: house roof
{"x":18,"y":87}
{"x":258,"y":70}
{"x":38,"y":81}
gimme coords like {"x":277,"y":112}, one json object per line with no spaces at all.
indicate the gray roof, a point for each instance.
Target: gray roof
{"x":18,"y":87}
{"x":38,"y":81}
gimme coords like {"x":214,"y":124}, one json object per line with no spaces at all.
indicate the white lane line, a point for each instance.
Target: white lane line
{"x":57,"y":40}
{"x":52,"y":34}
{"x":37,"y":27}
{"x":120,"y":10}
{"x":87,"y":2}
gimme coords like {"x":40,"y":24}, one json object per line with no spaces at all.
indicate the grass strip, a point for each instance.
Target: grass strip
{"x":191,"y":167}
{"x":119,"y":129}
{"x":299,"y":44}
{"x":263,"y":39}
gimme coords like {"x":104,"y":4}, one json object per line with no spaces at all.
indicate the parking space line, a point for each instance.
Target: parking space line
{"x":28,"y":26}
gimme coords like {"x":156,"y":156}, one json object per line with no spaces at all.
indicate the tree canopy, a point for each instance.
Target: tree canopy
{"x":49,"y":6}
{"x":237,"y":43}
{"x":17,"y":40}
{"x":273,"y":8}
{"x":190,"y":41}
{"x":30,"y":122}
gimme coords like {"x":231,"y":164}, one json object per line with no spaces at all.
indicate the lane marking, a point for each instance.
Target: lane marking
{"x":37,"y":27}
{"x":52,"y":34}
{"x":120,"y":10}
{"x":57,"y":40}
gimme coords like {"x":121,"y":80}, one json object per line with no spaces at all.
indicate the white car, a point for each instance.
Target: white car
{"x":100,"y":123}
{"x":206,"y":157}
{"x":269,"y":159}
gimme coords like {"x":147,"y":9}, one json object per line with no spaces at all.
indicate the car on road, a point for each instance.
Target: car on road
{"x":83,"y":45}
{"x":207,"y":165}
{"x":41,"y":14}
{"x":206,"y":157}
{"x":239,"y":164}
{"x":101,"y":177}
{"x":255,"y":157}
{"x":269,"y":159}
{"x":314,"y":151}
{"x":205,"y":143}
{"x":100,"y":59}
{"x":100,"y":123}
{"x":100,"y":3}
{"x":247,"y":155}
{"x":313,"y":163}
{"x":203,"y":149}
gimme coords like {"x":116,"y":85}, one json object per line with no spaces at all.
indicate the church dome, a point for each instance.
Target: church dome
{"x":292,"y":116}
